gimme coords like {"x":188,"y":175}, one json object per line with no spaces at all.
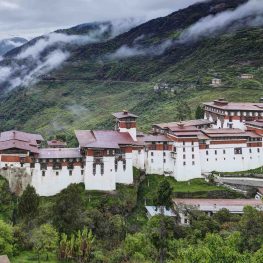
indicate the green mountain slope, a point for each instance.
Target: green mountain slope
{"x":90,"y":86}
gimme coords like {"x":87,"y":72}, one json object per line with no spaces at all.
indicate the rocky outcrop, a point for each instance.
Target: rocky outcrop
{"x":18,"y":178}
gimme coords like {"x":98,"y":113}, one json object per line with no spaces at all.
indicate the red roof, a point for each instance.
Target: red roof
{"x":103,"y":139}
{"x":20,"y":140}
{"x":155,"y":138}
{"x":257,"y":123}
{"x":228,"y":132}
{"x":183,"y":125}
{"x":18,"y":135}
{"x":15,"y":144}
{"x":124,"y":114}
{"x":56,"y":143}
{"x":236,"y":106}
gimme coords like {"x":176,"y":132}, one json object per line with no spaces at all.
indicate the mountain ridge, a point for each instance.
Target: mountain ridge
{"x":91,"y":84}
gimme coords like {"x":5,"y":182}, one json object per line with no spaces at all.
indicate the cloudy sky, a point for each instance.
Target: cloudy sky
{"x":29,"y":18}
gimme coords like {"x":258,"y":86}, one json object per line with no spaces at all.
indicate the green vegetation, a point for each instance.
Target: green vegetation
{"x":258,"y":172}
{"x":91,"y":226}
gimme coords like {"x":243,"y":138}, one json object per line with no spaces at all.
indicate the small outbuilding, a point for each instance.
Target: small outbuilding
{"x":247,"y":76}
{"x":216,"y":82}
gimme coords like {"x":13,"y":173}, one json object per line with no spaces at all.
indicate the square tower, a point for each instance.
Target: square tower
{"x":126,"y":122}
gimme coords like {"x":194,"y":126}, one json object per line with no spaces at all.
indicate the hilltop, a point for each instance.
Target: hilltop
{"x":120,"y":72}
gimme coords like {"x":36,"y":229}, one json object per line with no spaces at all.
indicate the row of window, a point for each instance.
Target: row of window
{"x":234,"y":158}
{"x":193,"y":163}
{"x":236,"y":151}
{"x":57,"y":173}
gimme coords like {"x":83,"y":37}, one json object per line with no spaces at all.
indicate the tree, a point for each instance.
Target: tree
{"x":138,"y":244}
{"x":68,"y":210}
{"x":164,"y":194}
{"x":251,"y":229}
{"x":28,"y":203}
{"x":78,"y":247}
{"x":6,"y":239}
{"x":199,"y":112}
{"x":45,"y":240}
{"x":164,"y":200}
{"x":183,"y":110}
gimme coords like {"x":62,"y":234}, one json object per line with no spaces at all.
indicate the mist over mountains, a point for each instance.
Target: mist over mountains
{"x":26,"y":64}
{"x":11,"y":43}
{"x":102,"y":64}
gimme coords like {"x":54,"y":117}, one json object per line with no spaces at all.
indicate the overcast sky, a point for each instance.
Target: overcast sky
{"x":29,"y":18}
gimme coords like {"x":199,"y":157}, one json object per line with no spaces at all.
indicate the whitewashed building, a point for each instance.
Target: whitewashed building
{"x":184,"y":150}
{"x":226,"y":114}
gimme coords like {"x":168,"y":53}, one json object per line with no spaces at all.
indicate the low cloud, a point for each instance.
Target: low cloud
{"x":249,"y":14}
{"x":138,"y":50}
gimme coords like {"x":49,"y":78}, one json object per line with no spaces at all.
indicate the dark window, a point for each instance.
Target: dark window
{"x":82,"y":172}
{"x":151,"y":153}
{"x":57,"y":166}
{"x":193,"y":156}
{"x":224,"y":151}
{"x":258,"y":150}
{"x":116,"y":165}
{"x":193,"y":149}
{"x":206,"y":152}
{"x":70,"y":172}
{"x":94,"y":169}
{"x":43,"y":166}
{"x":43,"y":173}
{"x":102,"y":168}
{"x":57,"y":173}
{"x":183,"y":149}
{"x":124,"y":165}
{"x":215,"y":152}
{"x":184,"y":156}
{"x":184,"y":163}
{"x":164,"y":154}
{"x":238,"y":150}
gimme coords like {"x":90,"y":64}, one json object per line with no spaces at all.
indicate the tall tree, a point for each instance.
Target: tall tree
{"x":28,"y":203}
{"x":251,"y":229}
{"x":183,"y":111}
{"x":68,"y":210}
{"x":199,"y":112}
{"x":163,"y":200}
{"x":45,"y":240}
{"x":6,"y":238}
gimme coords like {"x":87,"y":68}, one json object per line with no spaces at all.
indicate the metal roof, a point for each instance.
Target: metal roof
{"x":59,"y":153}
{"x":103,"y":139}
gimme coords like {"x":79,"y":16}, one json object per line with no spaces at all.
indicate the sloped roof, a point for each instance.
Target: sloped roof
{"x":20,"y":140}
{"x":19,"y":135}
{"x":229,"y":132}
{"x":257,"y":123}
{"x":59,"y":153}
{"x":56,"y":143}
{"x":103,"y":139}
{"x":183,"y":125}
{"x":124,"y":114}
{"x":237,"y":106}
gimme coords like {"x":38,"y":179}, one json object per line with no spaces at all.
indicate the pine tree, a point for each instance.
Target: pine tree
{"x":199,"y":113}
{"x":28,"y":203}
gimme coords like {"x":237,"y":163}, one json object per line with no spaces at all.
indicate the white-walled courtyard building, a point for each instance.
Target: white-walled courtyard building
{"x":184,"y":150}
